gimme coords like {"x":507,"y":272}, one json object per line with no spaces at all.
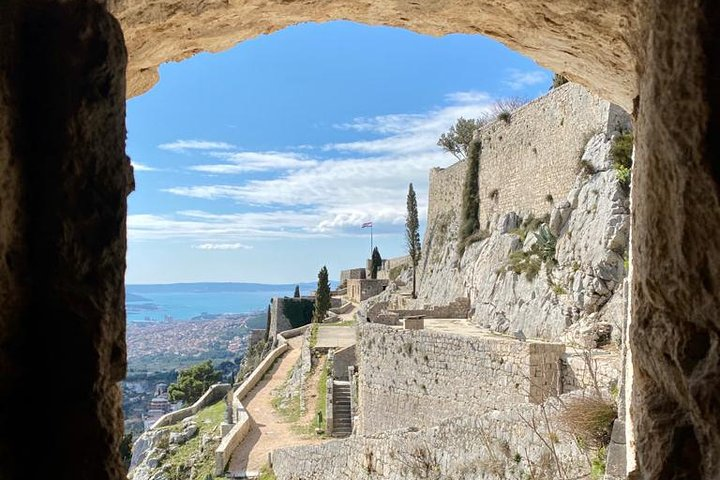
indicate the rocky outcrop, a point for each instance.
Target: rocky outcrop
{"x":572,"y":297}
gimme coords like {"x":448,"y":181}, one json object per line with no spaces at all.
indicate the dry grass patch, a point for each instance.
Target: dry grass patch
{"x":589,"y":419}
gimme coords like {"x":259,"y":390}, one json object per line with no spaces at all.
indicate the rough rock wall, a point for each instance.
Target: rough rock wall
{"x":675,"y":329}
{"x":587,"y":41}
{"x":591,"y":226}
{"x":464,"y":448}
{"x":64,"y":178}
{"x":418,"y":377}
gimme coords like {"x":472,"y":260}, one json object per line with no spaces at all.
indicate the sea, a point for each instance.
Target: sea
{"x":186,"y":301}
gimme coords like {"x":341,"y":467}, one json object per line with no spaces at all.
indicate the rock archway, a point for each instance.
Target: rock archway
{"x":65,"y":176}
{"x":590,"y":41}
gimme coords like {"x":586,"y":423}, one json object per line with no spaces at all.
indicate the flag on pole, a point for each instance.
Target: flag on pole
{"x":367,"y":224}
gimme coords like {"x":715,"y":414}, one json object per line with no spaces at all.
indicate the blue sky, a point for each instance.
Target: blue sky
{"x":259,"y":164}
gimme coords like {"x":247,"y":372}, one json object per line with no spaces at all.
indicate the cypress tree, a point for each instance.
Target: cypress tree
{"x":322,"y":296}
{"x":376,"y":261}
{"x":412,"y":232}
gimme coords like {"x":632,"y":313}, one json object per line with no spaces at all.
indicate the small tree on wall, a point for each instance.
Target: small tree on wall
{"x":412,"y":233}
{"x":322,"y":296}
{"x":297,"y":291}
{"x":376,"y":263}
{"x":458,"y":138}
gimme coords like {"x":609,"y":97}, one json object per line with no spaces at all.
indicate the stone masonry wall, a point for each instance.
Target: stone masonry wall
{"x":445,"y":191}
{"x":536,"y":153}
{"x":458,"y":308}
{"x":533,"y":156}
{"x":498,"y":445}
{"x":279,"y":321}
{"x":416,"y":378}
{"x":346,"y":275}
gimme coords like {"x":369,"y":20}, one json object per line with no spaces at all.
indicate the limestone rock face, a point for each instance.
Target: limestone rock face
{"x":586,"y":41}
{"x":583,"y":288}
{"x":147,"y":452}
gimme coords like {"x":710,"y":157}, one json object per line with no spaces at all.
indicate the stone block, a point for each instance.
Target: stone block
{"x":414,"y":323}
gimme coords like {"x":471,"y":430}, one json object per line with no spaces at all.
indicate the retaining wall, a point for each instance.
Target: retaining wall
{"x":231,"y":441}
{"x":211,"y":396}
{"x":495,"y":446}
{"x":343,"y":359}
{"x":418,"y":377}
{"x":458,"y":308}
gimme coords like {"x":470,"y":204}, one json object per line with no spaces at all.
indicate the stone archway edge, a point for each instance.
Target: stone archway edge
{"x":588,"y":42}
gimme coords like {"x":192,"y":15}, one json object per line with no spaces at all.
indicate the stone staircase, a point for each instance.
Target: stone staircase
{"x":342,"y":421}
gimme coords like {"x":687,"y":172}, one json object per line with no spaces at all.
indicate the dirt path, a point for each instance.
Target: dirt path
{"x":270,"y":431}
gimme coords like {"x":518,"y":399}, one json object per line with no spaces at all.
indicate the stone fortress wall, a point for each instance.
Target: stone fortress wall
{"x":445,"y":191}
{"x":419,"y":377}
{"x":529,"y":159}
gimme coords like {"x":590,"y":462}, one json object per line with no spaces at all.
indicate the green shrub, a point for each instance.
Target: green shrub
{"x":621,"y":153}
{"x":192,"y":382}
{"x":546,"y":243}
{"x":471,"y":200}
{"x":529,"y":224}
{"x":524,"y":262}
{"x":505,"y":116}
{"x":597,"y":469}
{"x":543,"y":250}
{"x":266,"y":473}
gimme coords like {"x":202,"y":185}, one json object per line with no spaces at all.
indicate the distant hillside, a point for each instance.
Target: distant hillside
{"x":216,"y":287}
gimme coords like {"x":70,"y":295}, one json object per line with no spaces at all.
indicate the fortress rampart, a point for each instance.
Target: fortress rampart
{"x":531,"y":160}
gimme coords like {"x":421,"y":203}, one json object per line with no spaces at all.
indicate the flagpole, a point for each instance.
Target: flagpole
{"x":371,"y":240}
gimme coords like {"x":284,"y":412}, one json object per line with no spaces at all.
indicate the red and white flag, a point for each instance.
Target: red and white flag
{"x":367,"y":224}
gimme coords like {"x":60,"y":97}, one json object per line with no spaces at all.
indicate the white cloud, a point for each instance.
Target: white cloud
{"x":223,"y":246}
{"x":412,"y":133}
{"x":517,"y":79}
{"x":140,"y":167}
{"x":210,"y":228}
{"x":305,"y":197}
{"x":186,"y":145}
{"x":240,"y":162}
{"x":470,"y":96}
